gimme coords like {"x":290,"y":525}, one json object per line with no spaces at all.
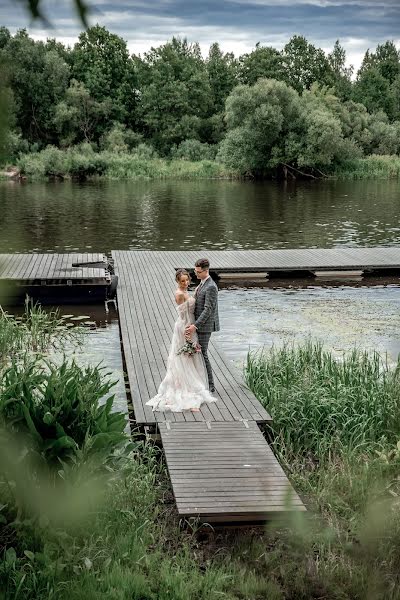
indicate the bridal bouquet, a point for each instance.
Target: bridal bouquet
{"x":189,"y":348}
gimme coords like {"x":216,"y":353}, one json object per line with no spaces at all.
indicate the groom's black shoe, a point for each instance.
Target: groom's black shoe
{"x":212,"y":389}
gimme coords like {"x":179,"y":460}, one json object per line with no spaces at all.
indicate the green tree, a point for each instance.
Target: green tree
{"x":264,"y":127}
{"x":386,"y":60}
{"x":395,"y":92}
{"x":5,"y":37}
{"x":373,"y":90}
{"x":305,"y":64}
{"x":100,"y":60}
{"x":341,"y":73}
{"x":384,"y":136}
{"x":263,"y":61}
{"x":175,"y":93}
{"x":79,"y":117}
{"x":270,"y":126}
{"x":38,"y":78}
{"x":222,"y":74}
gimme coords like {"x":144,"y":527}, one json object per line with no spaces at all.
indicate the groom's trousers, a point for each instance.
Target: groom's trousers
{"x":204,"y":339}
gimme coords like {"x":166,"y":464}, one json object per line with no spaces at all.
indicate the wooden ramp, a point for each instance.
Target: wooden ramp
{"x":225,"y":472}
{"x":219,"y":452}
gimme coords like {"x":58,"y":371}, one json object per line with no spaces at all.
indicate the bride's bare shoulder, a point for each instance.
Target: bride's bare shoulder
{"x":181,"y":297}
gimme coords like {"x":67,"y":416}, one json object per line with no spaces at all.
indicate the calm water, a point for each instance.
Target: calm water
{"x":200,"y":214}
{"x":59,"y":217}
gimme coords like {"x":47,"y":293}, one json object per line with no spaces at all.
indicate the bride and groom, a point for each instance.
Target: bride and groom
{"x":189,"y":378}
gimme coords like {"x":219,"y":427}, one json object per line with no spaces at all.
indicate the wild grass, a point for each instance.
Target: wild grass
{"x":371,"y":167}
{"x":37,"y":330}
{"x":84,"y":162}
{"x":340,"y":454}
{"x":323,"y":406}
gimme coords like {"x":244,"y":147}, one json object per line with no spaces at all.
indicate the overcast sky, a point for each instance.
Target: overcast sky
{"x":236,"y":24}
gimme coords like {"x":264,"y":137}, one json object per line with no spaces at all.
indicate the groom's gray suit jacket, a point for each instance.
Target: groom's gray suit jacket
{"x":206,"y":307}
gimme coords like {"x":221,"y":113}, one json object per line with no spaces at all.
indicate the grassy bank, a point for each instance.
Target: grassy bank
{"x":82,"y":162}
{"x":335,"y":430}
{"x":370,"y":167}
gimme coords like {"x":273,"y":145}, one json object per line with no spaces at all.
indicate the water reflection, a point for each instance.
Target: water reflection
{"x":342,"y":317}
{"x":197,"y":214}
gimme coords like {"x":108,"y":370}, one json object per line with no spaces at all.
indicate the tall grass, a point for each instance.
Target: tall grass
{"x":83,"y":162}
{"x":371,"y":167}
{"x":321,"y":405}
{"x":37,"y":330}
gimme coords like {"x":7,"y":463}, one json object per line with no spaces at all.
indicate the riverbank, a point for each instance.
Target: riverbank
{"x":84,"y":163}
{"x":78,"y":163}
{"x":335,"y":431}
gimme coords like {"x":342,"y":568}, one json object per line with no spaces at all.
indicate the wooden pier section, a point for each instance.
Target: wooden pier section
{"x":221,"y":467}
{"x":58,"y":278}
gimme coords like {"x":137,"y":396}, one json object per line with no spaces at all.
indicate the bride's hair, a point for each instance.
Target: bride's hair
{"x":179,"y":274}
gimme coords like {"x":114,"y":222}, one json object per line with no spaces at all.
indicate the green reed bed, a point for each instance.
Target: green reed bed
{"x":371,"y":167}
{"x":323,"y":406}
{"x":336,"y":430}
{"x":141,"y":164}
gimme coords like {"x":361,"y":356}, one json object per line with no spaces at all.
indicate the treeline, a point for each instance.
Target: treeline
{"x":294,"y":110}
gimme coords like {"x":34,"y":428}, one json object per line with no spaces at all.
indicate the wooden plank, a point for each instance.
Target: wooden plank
{"x":231,"y":488}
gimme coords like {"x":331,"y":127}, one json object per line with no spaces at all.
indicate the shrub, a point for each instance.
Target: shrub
{"x":194,"y":150}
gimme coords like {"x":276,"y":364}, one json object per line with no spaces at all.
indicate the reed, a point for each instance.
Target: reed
{"x":371,"y":167}
{"x":83,"y":162}
{"x":322,"y":406}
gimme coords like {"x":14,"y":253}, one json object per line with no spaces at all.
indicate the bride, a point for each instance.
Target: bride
{"x":185,"y":385}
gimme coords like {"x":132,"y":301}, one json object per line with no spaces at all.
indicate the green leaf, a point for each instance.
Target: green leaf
{"x":48,"y":418}
{"x":29,"y":554}
{"x":11,"y":556}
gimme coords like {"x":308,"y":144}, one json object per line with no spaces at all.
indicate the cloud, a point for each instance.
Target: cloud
{"x":236,"y":24}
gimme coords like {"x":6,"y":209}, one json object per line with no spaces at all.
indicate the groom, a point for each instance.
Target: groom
{"x":205,"y":312}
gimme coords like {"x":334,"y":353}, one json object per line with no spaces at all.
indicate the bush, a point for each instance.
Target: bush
{"x":194,"y":150}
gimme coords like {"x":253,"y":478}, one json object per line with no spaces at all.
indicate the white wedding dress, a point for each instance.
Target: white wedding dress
{"x":185,"y":384}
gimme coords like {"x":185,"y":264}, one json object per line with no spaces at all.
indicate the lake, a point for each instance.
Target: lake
{"x":101,"y":216}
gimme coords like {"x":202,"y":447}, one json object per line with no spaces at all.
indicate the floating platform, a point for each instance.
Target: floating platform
{"x":308,"y":262}
{"x":54,"y":278}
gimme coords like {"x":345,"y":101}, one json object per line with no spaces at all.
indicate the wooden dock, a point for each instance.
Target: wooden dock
{"x":221,"y":467}
{"x":54,"y":278}
{"x":304,"y":261}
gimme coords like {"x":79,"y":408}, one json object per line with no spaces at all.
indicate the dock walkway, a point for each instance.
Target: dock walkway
{"x":221,"y":467}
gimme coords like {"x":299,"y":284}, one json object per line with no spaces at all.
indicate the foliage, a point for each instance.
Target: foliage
{"x":101,"y":62}
{"x":305,"y":64}
{"x":176,"y":93}
{"x":56,"y":419}
{"x":194,"y":150}
{"x":79,"y":117}
{"x":97,"y":93}
{"x":39,"y":79}
{"x":262,"y":62}
{"x":328,"y":404}
{"x":371,"y":167}
{"x":142,"y":162}
{"x":222,"y":74}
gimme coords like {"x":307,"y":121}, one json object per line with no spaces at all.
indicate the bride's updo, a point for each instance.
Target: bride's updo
{"x":179,"y":273}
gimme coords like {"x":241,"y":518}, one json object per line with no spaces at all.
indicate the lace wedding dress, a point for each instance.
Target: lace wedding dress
{"x":185,"y":384}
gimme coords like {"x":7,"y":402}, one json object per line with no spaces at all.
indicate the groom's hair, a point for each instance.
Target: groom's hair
{"x":203,"y":263}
